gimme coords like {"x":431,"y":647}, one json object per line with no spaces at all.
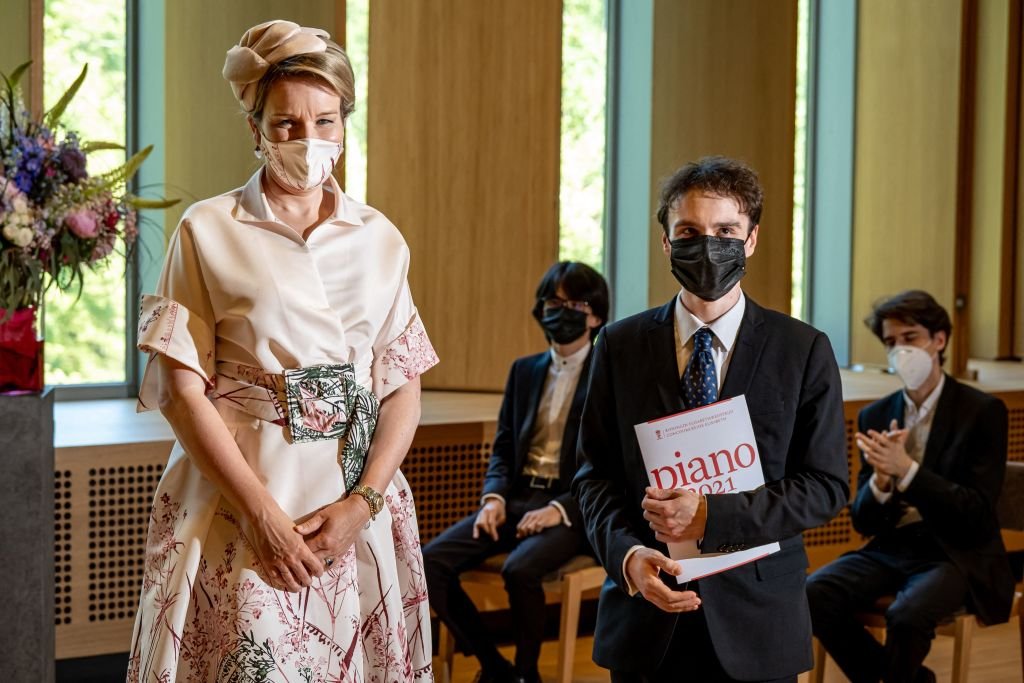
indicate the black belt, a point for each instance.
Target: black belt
{"x":532,"y":482}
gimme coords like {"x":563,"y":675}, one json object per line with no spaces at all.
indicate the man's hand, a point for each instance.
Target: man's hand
{"x":642,"y":570}
{"x":536,"y":521}
{"x":886,"y":452}
{"x":675,"y":514}
{"x":490,"y":517}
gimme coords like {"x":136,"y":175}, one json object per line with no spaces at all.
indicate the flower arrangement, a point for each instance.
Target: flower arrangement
{"x":55,"y":218}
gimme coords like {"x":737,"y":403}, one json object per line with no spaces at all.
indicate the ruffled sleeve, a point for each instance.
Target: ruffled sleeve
{"x":177,"y":321}
{"x":404,"y":351}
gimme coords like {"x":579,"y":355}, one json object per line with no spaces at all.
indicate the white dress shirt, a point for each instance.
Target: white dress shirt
{"x":724,"y":331}
{"x":917,"y":420}
{"x":544,"y":459}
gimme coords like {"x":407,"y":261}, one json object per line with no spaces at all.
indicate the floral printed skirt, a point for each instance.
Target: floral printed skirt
{"x":207,"y":615}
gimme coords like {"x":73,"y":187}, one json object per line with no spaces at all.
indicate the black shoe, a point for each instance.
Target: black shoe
{"x":500,"y":675}
{"x":532,"y":677}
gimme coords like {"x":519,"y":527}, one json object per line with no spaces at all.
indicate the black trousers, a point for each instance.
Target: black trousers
{"x":530,"y":560}
{"x":906,"y":562}
{"x":691,"y":656}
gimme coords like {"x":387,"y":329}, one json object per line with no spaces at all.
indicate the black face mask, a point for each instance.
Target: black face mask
{"x":708,"y":266}
{"x":562,"y":325}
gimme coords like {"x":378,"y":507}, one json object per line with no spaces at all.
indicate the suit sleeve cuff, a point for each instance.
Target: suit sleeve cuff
{"x":630,"y":588}
{"x":904,"y":483}
{"x":487,"y":496}
{"x":880,"y":495}
{"x":561,"y":511}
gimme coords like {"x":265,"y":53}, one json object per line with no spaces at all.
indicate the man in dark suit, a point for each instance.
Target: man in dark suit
{"x":934,"y":460}
{"x":526,"y":508}
{"x":709,"y":342}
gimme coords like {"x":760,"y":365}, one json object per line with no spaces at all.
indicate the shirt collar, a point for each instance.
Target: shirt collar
{"x":725,"y":327}
{"x":252,"y":204}
{"x":572,"y":361}
{"x":929,"y":402}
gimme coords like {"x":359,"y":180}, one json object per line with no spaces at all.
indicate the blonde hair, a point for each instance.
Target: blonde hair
{"x":331,"y":67}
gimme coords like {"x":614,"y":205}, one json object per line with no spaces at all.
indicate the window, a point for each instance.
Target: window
{"x":798,"y":300}
{"x":357,"y":46}
{"x":86,"y":335}
{"x":584,"y":60}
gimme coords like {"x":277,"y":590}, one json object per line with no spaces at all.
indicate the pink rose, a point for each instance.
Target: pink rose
{"x":82,"y":223}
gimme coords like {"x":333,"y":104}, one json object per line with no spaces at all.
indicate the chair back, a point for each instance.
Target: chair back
{"x":1011,"y":499}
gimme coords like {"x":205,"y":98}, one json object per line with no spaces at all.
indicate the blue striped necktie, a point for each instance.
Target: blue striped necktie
{"x":700,"y":379}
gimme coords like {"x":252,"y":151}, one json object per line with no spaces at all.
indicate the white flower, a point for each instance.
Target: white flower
{"x":19,"y":203}
{"x":24,"y":237}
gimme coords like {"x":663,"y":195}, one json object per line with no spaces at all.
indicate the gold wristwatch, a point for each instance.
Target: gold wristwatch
{"x":372,"y":498}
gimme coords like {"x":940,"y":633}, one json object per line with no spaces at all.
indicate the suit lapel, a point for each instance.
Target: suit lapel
{"x":942,"y":423}
{"x":749,"y":344}
{"x":567,"y":465}
{"x":538,"y":376}
{"x":661,"y":359}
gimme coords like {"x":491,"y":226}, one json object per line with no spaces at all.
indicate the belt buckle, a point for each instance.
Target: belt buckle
{"x":318,"y":402}
{"x":540,"y":482}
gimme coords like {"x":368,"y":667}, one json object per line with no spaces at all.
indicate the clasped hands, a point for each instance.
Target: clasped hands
{"x":674,"y":515}
{"x":886,"y":453}
{"x":293,"y":553}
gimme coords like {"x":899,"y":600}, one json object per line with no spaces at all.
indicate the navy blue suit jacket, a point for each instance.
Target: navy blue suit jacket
{"x":757,"y":614}
{"x":515,"y":430}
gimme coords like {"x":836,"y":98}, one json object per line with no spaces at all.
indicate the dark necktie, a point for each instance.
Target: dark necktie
{"x":700,"y":379}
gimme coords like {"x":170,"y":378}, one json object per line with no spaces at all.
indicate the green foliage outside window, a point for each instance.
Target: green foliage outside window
{"x":584,"y":59}
{"x":85,"y":338}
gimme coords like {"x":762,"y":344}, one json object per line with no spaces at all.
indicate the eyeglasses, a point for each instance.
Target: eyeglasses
{"x":556,"y":302}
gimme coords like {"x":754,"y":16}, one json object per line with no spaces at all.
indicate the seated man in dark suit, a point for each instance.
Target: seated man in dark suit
{"x":526,"y":508}
{"x":933,"y":465}
{"x":710,"y":341}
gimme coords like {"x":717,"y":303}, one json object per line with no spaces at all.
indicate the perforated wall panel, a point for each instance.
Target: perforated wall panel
{"x":1016,"y":433}
{"x":119,"y":506}
{"x":446,"y":478}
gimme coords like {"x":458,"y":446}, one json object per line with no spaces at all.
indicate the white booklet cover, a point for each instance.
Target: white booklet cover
{"x":709,"y":450}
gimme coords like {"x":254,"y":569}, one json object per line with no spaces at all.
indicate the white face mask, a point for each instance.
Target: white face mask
{"x":912,"y":363}
{"x":300,"y":165}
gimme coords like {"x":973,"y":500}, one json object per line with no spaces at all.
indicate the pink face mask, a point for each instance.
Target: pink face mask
{"x":300,"y":165}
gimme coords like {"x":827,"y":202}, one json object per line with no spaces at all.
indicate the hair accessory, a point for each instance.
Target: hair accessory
{"x":261,"y":47}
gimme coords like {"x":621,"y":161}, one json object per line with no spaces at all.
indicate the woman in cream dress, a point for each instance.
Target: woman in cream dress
{"x":285,"y":351}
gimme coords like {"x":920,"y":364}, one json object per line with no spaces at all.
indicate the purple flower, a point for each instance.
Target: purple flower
{"x":72,"y":162}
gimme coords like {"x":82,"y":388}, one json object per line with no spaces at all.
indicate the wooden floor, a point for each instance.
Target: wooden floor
{"x":995,"y":658}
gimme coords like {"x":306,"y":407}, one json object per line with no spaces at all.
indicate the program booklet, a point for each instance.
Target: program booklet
{"x":709,"y":450}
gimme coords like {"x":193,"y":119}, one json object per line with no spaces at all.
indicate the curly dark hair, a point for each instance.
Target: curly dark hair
{"x":719,"y":176}
{"x":912,"y":307}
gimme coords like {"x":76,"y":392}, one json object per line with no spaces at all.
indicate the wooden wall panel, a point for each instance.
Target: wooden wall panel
{"x":463,"y":153}
{"x":989,"y":181}
{"x":14,"y":35}
{"x":906,"y":156}
{"x":208,"y":144}
{"x":725,"y":83}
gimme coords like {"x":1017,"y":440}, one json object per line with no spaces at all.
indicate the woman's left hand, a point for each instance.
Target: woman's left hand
{"x":330,"y":531}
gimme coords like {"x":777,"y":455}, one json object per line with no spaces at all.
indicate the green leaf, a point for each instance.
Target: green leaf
{"x":52,"y":117}
{"x":122,"y":174}
{"x":12,"y":80}
{"x":142,"y":203}
{"x":96,"y":146}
